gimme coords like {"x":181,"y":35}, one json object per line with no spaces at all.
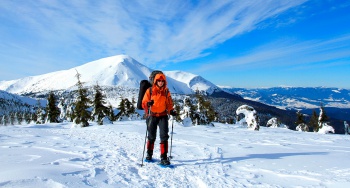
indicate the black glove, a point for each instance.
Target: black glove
{"x":150,"y":103}
{"x":173,"y":113}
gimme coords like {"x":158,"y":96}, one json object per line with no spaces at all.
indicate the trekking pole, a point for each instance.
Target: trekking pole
{"x":171,"y":140}
{"x":144,"y":146}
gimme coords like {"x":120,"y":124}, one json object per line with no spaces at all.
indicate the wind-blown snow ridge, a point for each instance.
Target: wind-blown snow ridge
{"x":120,"y":70}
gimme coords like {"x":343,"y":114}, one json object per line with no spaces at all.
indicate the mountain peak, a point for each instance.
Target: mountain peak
{"x":118,"y":70}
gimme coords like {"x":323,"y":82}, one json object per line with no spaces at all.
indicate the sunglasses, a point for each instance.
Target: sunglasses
{"x":160,"y":81}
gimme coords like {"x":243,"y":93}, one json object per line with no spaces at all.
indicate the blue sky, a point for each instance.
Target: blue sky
{"x":238,"y":43}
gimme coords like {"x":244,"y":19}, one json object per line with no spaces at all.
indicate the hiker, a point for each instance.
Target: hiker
{"x":158,"y":105}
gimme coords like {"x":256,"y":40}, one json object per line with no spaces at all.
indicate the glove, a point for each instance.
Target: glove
{"x":150,"y":103}
{"x":173,"y":113}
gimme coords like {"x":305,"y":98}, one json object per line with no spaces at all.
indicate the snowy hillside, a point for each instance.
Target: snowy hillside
{"x":297,"y":97}
{"x":16,"y":98}
{"x":120,"y":70}
{"x":12,"y":102}
{"x":60,"y":156}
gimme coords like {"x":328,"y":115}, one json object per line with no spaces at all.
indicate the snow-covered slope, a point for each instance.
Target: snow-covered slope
{"x":13,"y":103}
{"x":58,"y":156}
{"x":121,"y":70}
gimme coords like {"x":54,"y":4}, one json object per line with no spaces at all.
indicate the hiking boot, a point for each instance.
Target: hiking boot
{"x":164,"y":160}
{"x":149,"y":155}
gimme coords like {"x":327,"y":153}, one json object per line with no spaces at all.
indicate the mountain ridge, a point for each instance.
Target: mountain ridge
{"x":120,"y":70}
{"x":296,"y":98}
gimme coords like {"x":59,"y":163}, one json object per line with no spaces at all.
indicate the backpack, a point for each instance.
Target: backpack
{"x":144,"y":85}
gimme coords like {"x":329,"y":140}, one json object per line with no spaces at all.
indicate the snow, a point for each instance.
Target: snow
{"x":61,"y":155}
{"x":119,"y":70}
{"x":250,"y":116}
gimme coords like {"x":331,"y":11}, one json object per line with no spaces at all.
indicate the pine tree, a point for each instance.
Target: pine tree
{"x":53,"y":112}
{"x":12,"y":118}
{"x":121,"y":108}
{"x":177,"y":109}
{"x":323,"y":118}
{"x":129,"y":108}
{"x":314,"y":121}
{"x":189,"y":110}
{"x":300,"y":118}
{"x":111,"y":113}
{"x":212,"y":115}
{"x":5,"y":120}
{"x":205,"y":112}
{"x":39,"y":113}
{"x":81,"y":112}
{"x":28,"y":117}
{"x":99,"y":108}
{"x":18,"y":118}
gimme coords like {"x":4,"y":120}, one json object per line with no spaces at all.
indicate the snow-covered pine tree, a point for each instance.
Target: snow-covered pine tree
{"x":110,"y":113}
{"x":189,"y":111}
{"x":273,"y":123}
{"x":300,"y":123}
{"x":40,"y":113}
{"x":324,"y":127}
{"x":250,"y":117}
{"x":52,"y":111}
{"x":121,"y":108}
{"x":314,"y":121}
{"x":205,"y":113}
{"x":178,"y":110}
{"x":28,"y":117}
{"x":99,"y":108}
{"x":346,"y":128}
{"x":127,"y":111}
{"x":5,"y":120}
{"x":323,"y":118}
{"x":18,"y":118}
{"x":81,"y":112}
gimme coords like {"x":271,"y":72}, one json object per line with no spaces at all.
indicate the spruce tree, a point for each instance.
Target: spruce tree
{"x":5,"y":120}
{"x":314,"y":121}
{"x":190,"y":110}
{"x":99,"y":108}
{"x":53,"y":112}
{"x":81,"y":112}
{"x":28,"y":117}
{"x":300,"y":118}
{"x":111,"y":113}
{"x":300,"y":123}
{"x":205,"y":112}
{"x":12,"y":118}
{"x":121,"y":108}
{"x":129,"y":108}
{"x":177,"y":109}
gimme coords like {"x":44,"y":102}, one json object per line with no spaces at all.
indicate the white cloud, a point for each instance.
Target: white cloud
{"x":308,"y":53}
{"x":150,"y":31}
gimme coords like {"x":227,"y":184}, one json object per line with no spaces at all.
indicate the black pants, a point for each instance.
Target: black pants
{"x":162,"y":122}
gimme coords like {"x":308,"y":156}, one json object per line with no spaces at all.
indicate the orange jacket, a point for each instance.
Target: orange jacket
{"x":163,"y":103}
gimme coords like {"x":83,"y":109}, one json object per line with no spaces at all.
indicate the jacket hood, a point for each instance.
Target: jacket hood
{"x":160,"y":76}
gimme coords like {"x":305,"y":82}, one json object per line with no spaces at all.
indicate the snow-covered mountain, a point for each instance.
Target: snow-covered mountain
{"x":297,"y":97}
{"x":119,"y":71}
